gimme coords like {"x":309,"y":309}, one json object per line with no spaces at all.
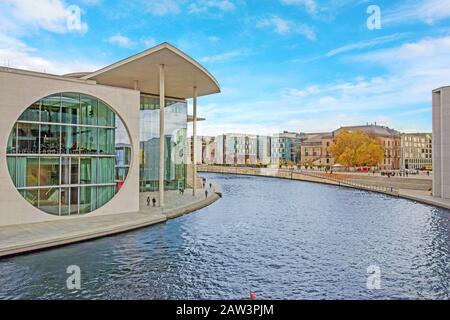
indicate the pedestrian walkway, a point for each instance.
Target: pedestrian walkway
{"x":34,"y":236}
{"x":425,"y":197}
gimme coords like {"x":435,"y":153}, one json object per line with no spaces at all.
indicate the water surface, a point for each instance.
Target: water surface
{"x":277,"y":238}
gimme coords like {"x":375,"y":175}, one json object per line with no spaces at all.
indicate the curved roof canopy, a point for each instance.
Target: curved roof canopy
{"x":182,"y":73}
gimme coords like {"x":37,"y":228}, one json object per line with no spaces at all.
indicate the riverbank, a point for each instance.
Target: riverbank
{"x":395,"y":189}
{"x":36,"y":236}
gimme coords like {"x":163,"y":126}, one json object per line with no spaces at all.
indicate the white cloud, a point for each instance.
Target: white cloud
{"x":16,"y":54}
{"x":214,"y":39}
{"x":50,"y":15}
{"x":364,"y":44}
{"x":427,"y":11}
{"x":200,"y":6}
{"x":285,"y":27}
{"x":222,"y":57}
{"x":149,"y":42}
{"x":163,"y":7}
{"x":310,"y":5}
{"x":121,"y":41}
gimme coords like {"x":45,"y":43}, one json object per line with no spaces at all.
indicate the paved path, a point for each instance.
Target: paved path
{"x":28,"y":237}
{"x":425,"y":197}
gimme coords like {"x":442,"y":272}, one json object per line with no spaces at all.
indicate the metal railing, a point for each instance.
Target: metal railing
{"x":351,"y":183}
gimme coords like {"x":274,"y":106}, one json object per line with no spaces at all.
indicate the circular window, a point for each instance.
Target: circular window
{"x":68,"y":154}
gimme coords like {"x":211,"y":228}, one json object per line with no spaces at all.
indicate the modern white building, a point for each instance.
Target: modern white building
{"x":89,"y":143}
{"x":242,"y":149}
{"x":441,"y":142}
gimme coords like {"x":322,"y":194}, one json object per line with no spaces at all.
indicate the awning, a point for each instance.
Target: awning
{"x":182,"y":73}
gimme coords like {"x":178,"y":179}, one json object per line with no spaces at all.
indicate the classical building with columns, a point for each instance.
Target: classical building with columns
{"x":441,"y":142}
{"x":93,"y":143}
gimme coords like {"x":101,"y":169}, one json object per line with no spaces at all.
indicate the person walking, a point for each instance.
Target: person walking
{"x":154,"y":201}
{"x":148,"y":201}
{"x":206,"y":193}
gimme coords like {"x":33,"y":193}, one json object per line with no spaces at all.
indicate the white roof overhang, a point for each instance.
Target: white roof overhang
{"x":182,"y":73}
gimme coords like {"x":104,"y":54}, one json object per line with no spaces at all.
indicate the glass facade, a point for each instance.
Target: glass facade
{"x":62,"y":154}
{"x":175,"y":128}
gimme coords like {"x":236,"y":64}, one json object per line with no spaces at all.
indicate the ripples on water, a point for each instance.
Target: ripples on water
{"x":280,"y":239}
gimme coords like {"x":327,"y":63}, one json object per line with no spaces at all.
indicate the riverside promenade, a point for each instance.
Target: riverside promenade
{"x":35,"y":236}
{"x":411,"y":188}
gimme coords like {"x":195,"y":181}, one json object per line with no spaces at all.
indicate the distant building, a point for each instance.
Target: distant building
{"x":123,"y":160}
{"x":263,"y":149}
{"x":389,"y":138}
{"x":416,"y":151}
{"x":314,"y":149}
{"x":285,"y":147}
{"x":237,"y":148}
{"x":206,"y":150}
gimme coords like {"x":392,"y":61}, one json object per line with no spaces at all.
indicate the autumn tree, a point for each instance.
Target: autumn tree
{"x":357,"y":148}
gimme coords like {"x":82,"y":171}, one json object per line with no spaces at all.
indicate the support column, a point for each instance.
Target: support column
{"x":161,"y":134}
{"x":194,"y":144}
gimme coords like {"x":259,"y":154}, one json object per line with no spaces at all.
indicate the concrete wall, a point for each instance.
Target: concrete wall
{"x":441,"y":142}
{"x":18,"y":90}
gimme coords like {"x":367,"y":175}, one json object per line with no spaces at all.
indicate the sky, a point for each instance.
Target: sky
{"x":297,"y":65}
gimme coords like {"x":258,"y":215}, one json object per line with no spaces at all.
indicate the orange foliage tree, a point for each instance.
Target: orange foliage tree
{"x":357,"y":148}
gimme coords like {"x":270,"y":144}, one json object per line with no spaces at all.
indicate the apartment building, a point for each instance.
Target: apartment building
{"x":416,"y":151}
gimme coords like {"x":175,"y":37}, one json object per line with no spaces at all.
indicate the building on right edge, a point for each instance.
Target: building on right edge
{"x":441,"y":142}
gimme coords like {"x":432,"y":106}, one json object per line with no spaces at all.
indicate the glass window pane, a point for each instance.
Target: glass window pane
{"x":50,"y":139}
{"x":88,"y":199}
{"x":88,"y":110}
{"x":88,"y":140}
{"x":88,"y":170}
{"x":106,"y":141}
{"x":74,"y":200}
{"x":32,"y":113}
{"x":31,"y":166}
{"x":105,"y":115}
{"x":65,"y":171}
{"x":49,"y":200}
{"x":70,"y":108}
{"x":31,"y":195}
{"x":74,"y":171}
{"x":28,"y":138}
{"x":105,"y":194}
{"x":106,"y":170}
{"x":65,"y":201}
{"x":49,"y":172}
{"x":51,"y":109}
{"x":12,"y":141}
{"x":70,"y":139}
{"x":12,"y":168}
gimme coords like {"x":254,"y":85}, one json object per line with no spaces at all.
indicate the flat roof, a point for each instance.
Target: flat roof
{"x":182,"y":73}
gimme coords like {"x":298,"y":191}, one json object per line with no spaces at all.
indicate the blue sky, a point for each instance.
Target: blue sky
{"x":301,"y":65}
